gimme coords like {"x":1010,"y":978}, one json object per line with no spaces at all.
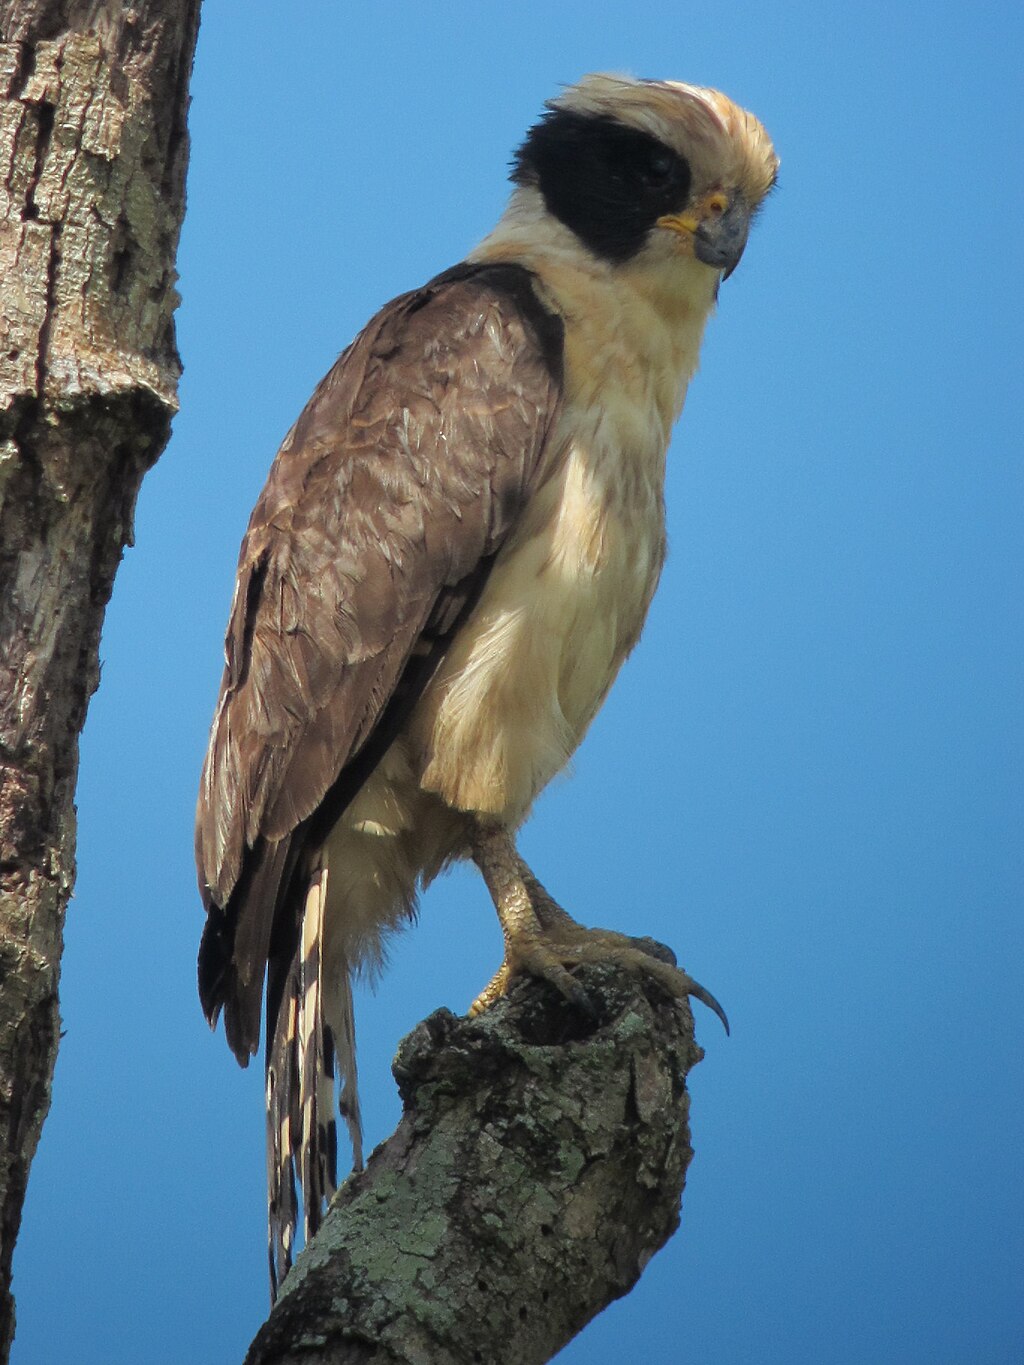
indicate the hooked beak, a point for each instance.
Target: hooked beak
{"x":715,"y":230}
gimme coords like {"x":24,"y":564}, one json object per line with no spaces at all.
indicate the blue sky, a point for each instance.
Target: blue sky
{"x":807,"y":779}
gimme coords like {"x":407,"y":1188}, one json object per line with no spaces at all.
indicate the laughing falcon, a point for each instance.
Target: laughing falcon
{"x":454,"y":553}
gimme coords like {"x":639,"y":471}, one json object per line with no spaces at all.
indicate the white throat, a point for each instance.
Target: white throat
{"x":636,"y":326}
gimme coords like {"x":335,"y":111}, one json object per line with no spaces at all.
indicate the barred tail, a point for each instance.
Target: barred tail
{"x":283,"y":1129}
{"x":309,"y":1029}
{"x":342,"y":1027}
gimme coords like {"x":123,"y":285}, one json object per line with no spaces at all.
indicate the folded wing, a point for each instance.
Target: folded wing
{"x":372,"y":539}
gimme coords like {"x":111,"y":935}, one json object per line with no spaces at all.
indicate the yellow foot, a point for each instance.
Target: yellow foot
{"x":552,"y":955}
{"x":542,"y":939}
{"x":533,"y":954}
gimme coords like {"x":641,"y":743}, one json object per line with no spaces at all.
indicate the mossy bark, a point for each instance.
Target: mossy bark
{"x":538,"y":1166}
{"x":93,"y":149}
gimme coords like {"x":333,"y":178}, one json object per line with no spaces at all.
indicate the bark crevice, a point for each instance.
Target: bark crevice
{"x":92,"y":131}
{"x":538,"y":1166}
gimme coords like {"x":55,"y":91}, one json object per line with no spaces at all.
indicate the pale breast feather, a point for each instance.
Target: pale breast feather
{"x":373,"y":538}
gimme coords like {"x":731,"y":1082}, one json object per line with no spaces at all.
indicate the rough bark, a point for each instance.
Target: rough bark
{"x":538,"y":1166}
{"x":93,"y":148}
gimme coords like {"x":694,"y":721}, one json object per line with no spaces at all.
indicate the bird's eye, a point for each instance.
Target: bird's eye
{"x":659,"y":168}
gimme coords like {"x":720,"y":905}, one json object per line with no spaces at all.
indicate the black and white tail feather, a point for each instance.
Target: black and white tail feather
{"x":309,"y":1039}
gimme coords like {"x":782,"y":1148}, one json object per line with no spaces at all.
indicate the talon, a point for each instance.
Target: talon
{"x":542,"y":939}
{"x":537,"y":957}
{"x":705,"y":997}
{"x":567,"y":985}
{"x":577,"y":996}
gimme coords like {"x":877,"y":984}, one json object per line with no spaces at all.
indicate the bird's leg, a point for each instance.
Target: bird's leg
{"x":561,"y":925}
{"x":526,"y":945}
{"x":544,"y":940}
{"x":551,"y":915}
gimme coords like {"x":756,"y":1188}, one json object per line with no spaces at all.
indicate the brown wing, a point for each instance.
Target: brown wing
{"x":377,"y":525}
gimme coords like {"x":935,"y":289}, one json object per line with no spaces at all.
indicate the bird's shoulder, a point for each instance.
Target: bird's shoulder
{"x":428,"y":363}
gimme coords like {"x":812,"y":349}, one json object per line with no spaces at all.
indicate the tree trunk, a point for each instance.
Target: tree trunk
{"x":93,"y":101}
{"x":538,"y":1166}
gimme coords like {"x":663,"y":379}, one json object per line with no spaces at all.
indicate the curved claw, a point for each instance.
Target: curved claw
{"x":705,"y":997}
{"x":583,"y":1002}
{"x":556,"y":975}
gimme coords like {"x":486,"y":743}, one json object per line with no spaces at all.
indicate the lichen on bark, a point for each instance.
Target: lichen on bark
{"x":93,"y":100}
{"x":538,"y":1166}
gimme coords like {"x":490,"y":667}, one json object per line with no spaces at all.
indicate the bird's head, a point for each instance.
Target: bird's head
{"x":648,"y":173}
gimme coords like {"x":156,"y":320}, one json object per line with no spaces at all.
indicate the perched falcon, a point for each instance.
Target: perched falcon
{"x":454,"y":553}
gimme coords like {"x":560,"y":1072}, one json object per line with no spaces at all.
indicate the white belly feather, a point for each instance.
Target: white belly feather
{"x":565,"y":603}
